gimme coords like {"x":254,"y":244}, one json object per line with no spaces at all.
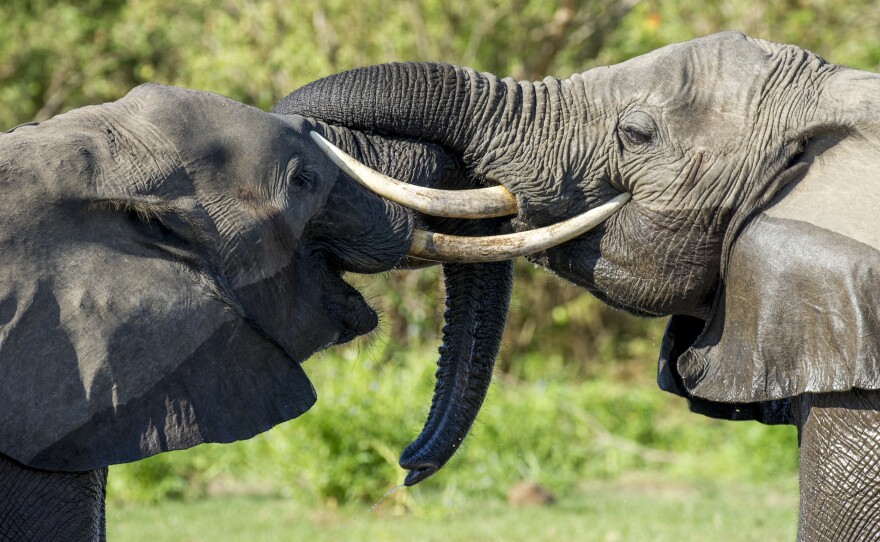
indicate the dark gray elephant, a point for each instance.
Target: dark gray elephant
{"x":167,"y":262}
{"x":754,"y":171}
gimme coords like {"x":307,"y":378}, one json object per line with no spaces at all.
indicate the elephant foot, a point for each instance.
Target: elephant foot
{"x":839,"y":440}
{"x":37,"y":505}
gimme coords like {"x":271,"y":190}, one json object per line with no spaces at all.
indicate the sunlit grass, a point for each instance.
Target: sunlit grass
{"x":639,"y":507}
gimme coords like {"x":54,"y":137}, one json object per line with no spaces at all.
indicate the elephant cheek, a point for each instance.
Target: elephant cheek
{"x":575,"y":261}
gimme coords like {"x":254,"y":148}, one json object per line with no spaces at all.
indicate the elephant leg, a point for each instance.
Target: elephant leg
{"x":839,"y":440}
{"x":37,"y":505}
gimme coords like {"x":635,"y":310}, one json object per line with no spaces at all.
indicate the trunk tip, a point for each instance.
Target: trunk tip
{"x":417,"y":474}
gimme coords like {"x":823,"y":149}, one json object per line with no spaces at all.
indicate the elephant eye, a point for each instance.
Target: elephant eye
{"x":157,"y":226}
{"x":296,"y":175}
{"x":638,"y":129}
{"x":635,"y":136}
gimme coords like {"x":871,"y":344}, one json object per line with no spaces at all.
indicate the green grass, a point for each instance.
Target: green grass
{"x":639,"y":507}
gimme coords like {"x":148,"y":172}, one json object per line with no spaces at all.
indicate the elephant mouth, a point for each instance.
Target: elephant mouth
{"x":491,"y":202}
{"x":351,"y":310}
{"x":345,"y":312}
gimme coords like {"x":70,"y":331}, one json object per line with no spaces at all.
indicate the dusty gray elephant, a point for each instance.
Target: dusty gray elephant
{"x":754,"y":171}
{"x":167,"y":261}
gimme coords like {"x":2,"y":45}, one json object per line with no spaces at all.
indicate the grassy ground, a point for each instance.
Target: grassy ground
{"x":636,"y":507}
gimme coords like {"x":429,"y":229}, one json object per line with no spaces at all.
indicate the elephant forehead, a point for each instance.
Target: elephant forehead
{"x":719,"y":72}
{"x":164,"y":103}
{"x":231,"y":140}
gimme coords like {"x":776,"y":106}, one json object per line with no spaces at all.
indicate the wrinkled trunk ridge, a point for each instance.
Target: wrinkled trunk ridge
{"x":455,"y":107}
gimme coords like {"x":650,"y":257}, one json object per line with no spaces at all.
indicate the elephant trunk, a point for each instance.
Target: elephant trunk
{"x":477,"y":298}
{"x":474,"y":116}
{"x":455,"y":107}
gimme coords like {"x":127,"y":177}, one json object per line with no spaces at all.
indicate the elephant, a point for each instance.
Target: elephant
{"x":169,"y":261}
{"x":752,"y":170}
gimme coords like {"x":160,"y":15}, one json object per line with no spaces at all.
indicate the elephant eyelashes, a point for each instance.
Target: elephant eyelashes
{"x":296,"y":175}
{"x":158,"y":227}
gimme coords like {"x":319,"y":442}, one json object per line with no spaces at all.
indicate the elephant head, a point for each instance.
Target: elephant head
{"x":752,"y":169}
{"x":169,"y":260}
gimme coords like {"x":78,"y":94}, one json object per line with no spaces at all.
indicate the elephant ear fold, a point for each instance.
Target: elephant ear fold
{"x":123,"y":355}
{"x":798,"y":309}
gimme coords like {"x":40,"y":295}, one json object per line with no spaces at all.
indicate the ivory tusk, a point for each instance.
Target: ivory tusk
{"x":477,"y":203}
{"x":450,"y":248}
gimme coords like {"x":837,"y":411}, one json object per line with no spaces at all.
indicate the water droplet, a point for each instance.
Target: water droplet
{"x":382,"y":498}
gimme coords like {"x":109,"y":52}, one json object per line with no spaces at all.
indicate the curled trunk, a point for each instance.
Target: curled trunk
{"x":458,"y":108}
{"x":467,"y":113}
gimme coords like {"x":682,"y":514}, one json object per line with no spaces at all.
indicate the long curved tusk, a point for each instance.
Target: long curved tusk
{"x":477,"y":203}
{"x":450,"y":248}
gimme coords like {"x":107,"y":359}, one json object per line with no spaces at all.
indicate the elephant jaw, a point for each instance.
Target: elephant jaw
{"x":489,"y":202}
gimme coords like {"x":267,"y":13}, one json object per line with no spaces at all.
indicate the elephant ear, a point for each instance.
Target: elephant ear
{"x":113,"y":349}
{"x":798,"y":308}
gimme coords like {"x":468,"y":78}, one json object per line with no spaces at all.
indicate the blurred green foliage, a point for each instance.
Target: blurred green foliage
{"x":56,"y":55}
